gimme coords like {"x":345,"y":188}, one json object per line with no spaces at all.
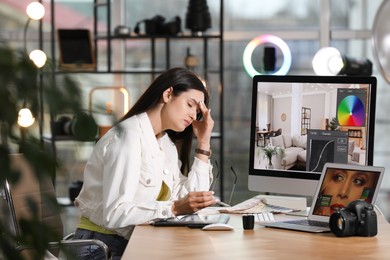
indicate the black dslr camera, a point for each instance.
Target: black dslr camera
{"x":82,"y":127}
{"x":159,"y":26}
{"x":357,"y":219}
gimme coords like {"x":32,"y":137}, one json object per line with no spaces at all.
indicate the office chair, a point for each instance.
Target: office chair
{"x":40,"y":191}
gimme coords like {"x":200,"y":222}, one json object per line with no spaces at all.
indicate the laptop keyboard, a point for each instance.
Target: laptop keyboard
{"x":307,"y":222}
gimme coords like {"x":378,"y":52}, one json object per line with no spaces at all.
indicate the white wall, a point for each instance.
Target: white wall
{"x":317,"y":105}
{"x":280,"y":106}
{"x":283,"y":105}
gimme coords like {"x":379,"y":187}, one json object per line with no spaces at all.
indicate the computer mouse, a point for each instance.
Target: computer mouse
{"x":217,"y":226}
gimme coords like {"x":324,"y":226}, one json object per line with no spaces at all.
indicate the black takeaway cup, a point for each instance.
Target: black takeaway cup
{"x":248,"y":221}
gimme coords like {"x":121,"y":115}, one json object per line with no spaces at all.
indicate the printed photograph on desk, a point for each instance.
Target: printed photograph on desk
{"x":267,"y":204}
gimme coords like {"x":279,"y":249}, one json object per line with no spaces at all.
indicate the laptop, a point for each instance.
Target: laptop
{"x":339,"y":185}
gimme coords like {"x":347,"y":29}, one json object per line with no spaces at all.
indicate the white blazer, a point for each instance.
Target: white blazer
{"x":124,"y":174}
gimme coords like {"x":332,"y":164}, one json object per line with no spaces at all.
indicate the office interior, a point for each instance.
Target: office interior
{"x":305,"y":26}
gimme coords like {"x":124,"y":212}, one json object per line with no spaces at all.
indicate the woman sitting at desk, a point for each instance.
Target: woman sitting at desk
{"x":139,"y":170}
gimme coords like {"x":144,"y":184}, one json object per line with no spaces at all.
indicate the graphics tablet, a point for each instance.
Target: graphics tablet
{"x":193,"y":221}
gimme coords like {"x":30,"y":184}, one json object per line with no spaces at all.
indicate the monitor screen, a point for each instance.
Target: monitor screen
{"x":298,"y":123}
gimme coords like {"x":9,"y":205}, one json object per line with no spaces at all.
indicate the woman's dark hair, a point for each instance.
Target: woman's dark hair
{"x":181,"y":80}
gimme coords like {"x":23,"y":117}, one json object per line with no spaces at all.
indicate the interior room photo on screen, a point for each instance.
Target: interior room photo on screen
{"x":297,"y":120}
{"x":298,"y":123}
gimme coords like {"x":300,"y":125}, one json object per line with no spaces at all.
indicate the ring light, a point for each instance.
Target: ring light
{"x":267,"y":38}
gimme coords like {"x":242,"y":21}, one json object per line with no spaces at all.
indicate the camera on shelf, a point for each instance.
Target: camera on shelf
{"x":357,"y":219}
{"x":158,"y":26}
{"x":82,"y":127}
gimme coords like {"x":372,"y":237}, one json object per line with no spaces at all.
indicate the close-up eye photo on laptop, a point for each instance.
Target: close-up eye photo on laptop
{"x":342,"y":185}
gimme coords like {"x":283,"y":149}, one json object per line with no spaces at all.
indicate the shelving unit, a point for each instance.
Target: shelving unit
{"x":305,"y":120}
{"x":356,"y":134}
{"x":108,"y":37}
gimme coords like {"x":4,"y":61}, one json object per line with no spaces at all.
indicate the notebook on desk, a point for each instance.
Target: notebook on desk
{"x":339,"y":185}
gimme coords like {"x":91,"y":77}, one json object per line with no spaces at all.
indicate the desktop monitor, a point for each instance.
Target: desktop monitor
{"x":300,"y":122}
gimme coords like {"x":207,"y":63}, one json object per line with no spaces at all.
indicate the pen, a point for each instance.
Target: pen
{"x":220,"y":203}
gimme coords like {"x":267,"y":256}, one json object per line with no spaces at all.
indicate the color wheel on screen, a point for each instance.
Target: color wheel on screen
{"x":351,"y":111}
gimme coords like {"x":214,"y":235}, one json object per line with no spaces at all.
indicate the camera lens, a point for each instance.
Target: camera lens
{"x":343,"y":223}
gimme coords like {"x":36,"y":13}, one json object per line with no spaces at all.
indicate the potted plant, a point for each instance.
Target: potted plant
{"x":19,"y":88}
{"x":333,"y":124}
{"x":270,"y":151}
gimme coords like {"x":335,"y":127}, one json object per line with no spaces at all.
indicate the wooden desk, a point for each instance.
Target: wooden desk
{"x":149,"y":242}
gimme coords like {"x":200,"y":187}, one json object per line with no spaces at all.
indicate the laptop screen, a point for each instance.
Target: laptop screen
{"x":342,"y":184}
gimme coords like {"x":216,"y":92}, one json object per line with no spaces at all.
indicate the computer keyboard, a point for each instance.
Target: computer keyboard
{"x":192,"y":220}
{"x":307,"y":222}
{"x":266,"y":217}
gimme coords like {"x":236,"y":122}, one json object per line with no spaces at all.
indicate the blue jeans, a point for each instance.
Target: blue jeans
{"x":115,"y":243}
